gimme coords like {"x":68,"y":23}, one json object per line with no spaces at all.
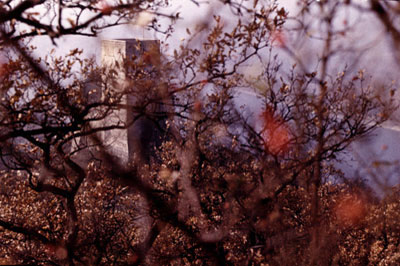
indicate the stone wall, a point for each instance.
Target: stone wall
{"x":136,"y":140}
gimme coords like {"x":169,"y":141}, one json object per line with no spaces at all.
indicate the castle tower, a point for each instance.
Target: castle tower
{"x":133,"y":64}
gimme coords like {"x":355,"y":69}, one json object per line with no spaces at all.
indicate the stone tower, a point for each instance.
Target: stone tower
{"x":120,"y":56}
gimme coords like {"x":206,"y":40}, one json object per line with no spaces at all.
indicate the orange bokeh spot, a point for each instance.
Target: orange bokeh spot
{"x":58,"y":251}
{"x":3,"y":70}
{"x":133,"y":258}
{"x":275,"y":133}
{"x":278,"y":38}
{"x":198,"y":106}
{"x":350,"y":209}
{"x":105,"y":7}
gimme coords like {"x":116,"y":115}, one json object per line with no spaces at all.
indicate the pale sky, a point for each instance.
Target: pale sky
{"x":368,"y":30}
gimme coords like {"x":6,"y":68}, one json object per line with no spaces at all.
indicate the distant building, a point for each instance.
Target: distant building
{"x":136,"y":87}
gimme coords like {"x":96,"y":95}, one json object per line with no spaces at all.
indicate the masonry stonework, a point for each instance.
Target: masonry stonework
{"x":136,"y":140}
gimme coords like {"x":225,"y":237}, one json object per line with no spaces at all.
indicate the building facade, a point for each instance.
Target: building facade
{"x":129,"y":87}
